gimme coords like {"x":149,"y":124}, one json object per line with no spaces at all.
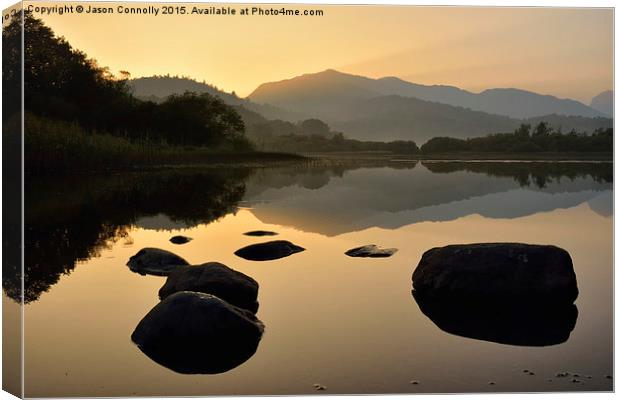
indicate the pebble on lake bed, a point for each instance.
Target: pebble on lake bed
{"x":575,"y":380}
{"x":562,"y":374}
{"x":530,"y":373}
{"x":414,"y":382}
{"x":491,"y":383}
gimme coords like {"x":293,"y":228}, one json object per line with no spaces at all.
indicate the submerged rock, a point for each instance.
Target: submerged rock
{"x":268,"y":250}
{"x":260,"y":233}
{"x":197,"y":333}
{"x":154,"y":261}
{"x":217,"y":279}
{"x":370,"y":250}
{"x":497,"y":272}
{"x":514,"y":324}
{"x":180,"y":239}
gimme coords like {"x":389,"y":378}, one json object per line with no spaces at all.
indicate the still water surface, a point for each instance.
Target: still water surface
{"x":350,"y":324}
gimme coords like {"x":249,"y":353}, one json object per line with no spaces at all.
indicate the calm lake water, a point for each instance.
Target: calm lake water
{"x":350,"y":324}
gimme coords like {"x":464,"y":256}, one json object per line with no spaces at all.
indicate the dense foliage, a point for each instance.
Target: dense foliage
{"x":337,"y":143}
{"x":61,"y":83}
{"x":526,"y":139}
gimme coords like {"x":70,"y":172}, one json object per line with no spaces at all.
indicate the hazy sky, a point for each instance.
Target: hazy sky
{"x":563,"y":52}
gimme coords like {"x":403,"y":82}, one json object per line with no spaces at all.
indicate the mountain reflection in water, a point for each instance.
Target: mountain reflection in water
{"x":71,"y":219}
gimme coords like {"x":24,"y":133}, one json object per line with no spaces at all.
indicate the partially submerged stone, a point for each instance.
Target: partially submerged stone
{"x":152,"y":261}
{"x":198,"y":333}
{"x":180,"y":239}
{"x":260,"y":233}
{"x":508,"y":293}
{"x":497,"y":272}
{"x":268,"y":250}
{"x":217,"y":279}
{"x":370,"y":250}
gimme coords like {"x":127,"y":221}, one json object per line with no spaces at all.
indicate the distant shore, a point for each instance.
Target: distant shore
{"x":470,"y":156}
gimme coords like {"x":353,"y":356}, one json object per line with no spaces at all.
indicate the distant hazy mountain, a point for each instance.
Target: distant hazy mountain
{"x":604,"y":102}
{"x":408,"y":118}
{"x":393,"y":109}
{"x":355,"y":106}
{"x":157,"y":88}
{"x":324,"y":91}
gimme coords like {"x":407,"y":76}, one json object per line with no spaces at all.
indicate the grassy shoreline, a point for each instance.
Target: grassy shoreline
{"x":61,"y":147}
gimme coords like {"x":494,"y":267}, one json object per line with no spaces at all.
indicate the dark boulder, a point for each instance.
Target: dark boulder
{"x":370,"y":250}
{"x":197,"y":333}
{"x":514,"y":324}
{"x":260,"y":233}
{"x":268,"y":250}
{"x":497,"y":272}
{"x":180,"y":239}
{"x":154,"y":261}
{"x":217,"y":279}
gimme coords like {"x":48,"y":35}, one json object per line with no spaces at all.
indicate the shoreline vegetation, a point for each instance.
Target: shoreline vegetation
{"x":79,"y":117}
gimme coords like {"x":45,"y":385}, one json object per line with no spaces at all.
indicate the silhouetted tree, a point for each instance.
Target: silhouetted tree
{"x":62,"y":83}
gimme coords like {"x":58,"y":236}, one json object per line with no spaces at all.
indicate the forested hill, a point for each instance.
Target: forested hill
{"x":156,"y":88}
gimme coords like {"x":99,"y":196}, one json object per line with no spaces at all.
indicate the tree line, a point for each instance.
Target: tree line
{"x":526,"y":139}
{"x":62,"y":83}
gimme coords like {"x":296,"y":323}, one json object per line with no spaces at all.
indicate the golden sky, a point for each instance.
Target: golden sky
{"x":563,"y":52}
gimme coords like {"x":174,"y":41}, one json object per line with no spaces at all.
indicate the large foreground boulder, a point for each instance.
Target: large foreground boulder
{"x":197,"y":333}
{"x":154,"y":261}
{"x":497,"y":272}
{"x":370,"y":250}
{"x":268,"y":250}
{"x":217,"y":279}
{"x":514,"y":324}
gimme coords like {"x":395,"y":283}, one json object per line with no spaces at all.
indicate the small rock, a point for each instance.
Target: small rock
{"x":370,"y":250}
{"x":179,"y":239}
{"x":526,"y":370}
{"x":589,"y":376}
{"x":414,"y":382}
{"x":268,"y":250}
{"x":491,"y":383}
{"x":608,"y":377}
{"x":549,"y":380}
{"x":214,"y":278}
{"x":154,"y":261}
{"x":260,"y":233}
{"x":530,"y":373}
{"x":562,"y":374}
{"x":576,"y":380}
{"x":576,"y":375}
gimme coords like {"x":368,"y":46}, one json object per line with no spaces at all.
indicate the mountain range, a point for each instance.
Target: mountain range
{"x":391,"y":108}
{"x":317,"y":93}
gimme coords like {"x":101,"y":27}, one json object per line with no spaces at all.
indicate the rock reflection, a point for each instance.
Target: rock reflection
{"x":512,"y":324}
